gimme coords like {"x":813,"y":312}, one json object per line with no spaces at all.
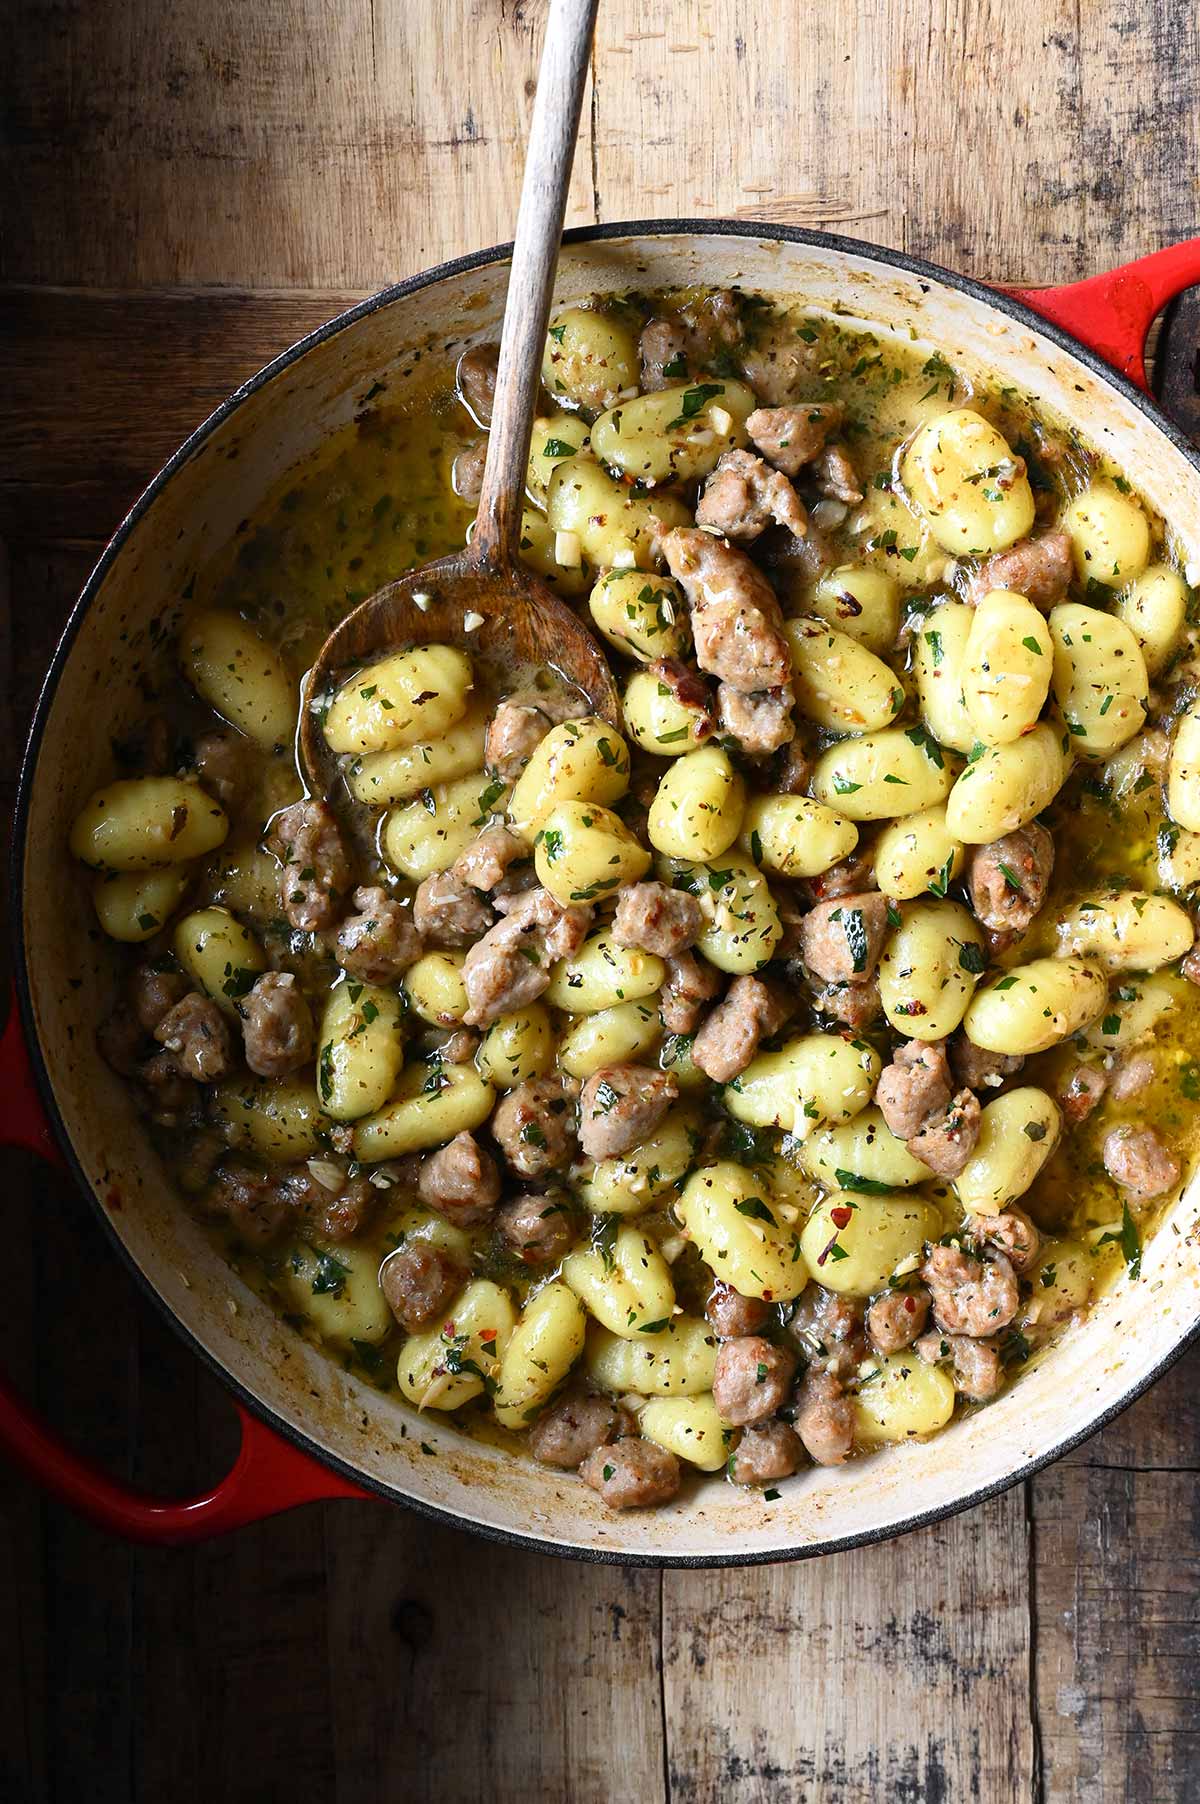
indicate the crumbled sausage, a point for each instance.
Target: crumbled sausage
{"x":744,"y":495}
{"x":379,"y":942}
{"x":690,"y":691}
{"x":254,"y":1205}
{"x":840,"y":940}
{"x":855,"y":1005}
{"x":916,"y":1084}
{"x":976,"y":1069}
{"x":277,"y":1025}
{"x":459,"y":1047}
{"x":761,"y":722}
{"x":315,"y":872}
{"x":476,"y":377}
{"x":828,"y":1329}
{"x":511,"y":964}
{"x":1040,"y":569}
{"x":168,"y":1094}
{"x":978,"y":1369}
{"x":466,"y":472}
{"x":776,"y":366}
{"x":538,"y":1229}
{"x":794,"y":771}
{"x":514,"y":733}
{"x":419,"y":1282}
{"x":845,"y":878}
{"x":153,"y":992}
{"x":575,"y":1425}
{"x":657,"y":919}
{"x":946,"y":1139}
{"x":690,"y":983}
{"x":1140,"y":1161}
{"x":970,"y":1296}
{"x":1081,"y":1091}
{"x":348,"y":1209}
{"x":1011,"y":1232}
{"x":486,"y":860}
{"x":732,"y":1314}
{"x":631,"y":1473}
{"x":895,"y":1319}
{"x":752,"y":1011}
{"x":824,"y":1417}
{"x":532,"y":1126}
{"x":621,"y":1106}
{"x":460,"y":1181}
{"x":767,"y":1452}
{"x":736,"y":623}
{"x":222,"y":767}
{"x":836,"y":476}
{"x":1130,"y":1076}
{"x":1008,"y":879}
{"x":197,"y":1034}
{"x":663,"y":349}
{"x":790,"y":437}
{"x":447,"y":911}
{"x":751,"y":1379}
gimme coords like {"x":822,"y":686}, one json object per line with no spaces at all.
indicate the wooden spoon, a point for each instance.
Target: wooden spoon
{"x":483,"y":598}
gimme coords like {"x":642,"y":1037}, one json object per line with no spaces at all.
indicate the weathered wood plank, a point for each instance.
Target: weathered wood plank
{"x":898,"y":1672}
{"x":476,"y":1673}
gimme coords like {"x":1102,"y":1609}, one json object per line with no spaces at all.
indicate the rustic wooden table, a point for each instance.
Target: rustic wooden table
{"x":189,"y":188}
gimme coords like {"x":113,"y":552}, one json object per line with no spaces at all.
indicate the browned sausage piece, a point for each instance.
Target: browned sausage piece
{"x":466,"y":472}
{"x":824,"y":1417}
{"x":836,"y":476}
{"x":752,"y":1011}
{"x":945,"y":1140}
{"x":658,"y":919}
{"x":970,"y":1296}
{"x":1141,"y":1161}
{"x":1008,"y":879}
{"x":315,"y":873}
{"x":620,"y":1106}
{"x":197,"y":1034}
{"x":790,"y":437}
{"x":767,"y":1452}
{"x":690,"y":983}
{"x":760,"y":723}
{"x":744,"y":495}
{"x":254,"y":1204}
{"x":476,"y":378}
{"x":690,"y":691}
{"x":736,"y":623}
{"x":460,"y":1181}
{"x":1082,"y":1091}
{"x":514,"y":733}
{"x":419,"y":1282}
{"x":828,"y":1329}
{"x":1040,"y":569}
{"x":1011,"y":1232}
{"x":751,"y":1379}
{"x":379,"y":942}
{"x":511,"y":964}
{"x":575,"y":1425}
{"x":844,"y":879}
{"x":663,"y":348}
{"x":533,"y":1128}
{"x":840,"y":941}
{"x":153,"y":992}
{"x":631,"y":1474}
{"x":348,"y":1210}
{"x":975,"y":1069}
{"x":486,"y":859}
{"x":895,"y":1319}
{"x":978,"y":1368}
{"x":1130,"y":1076}
{"x":222,"y":765}
{"x":794,"y":772}
{"x":447,"y":911}
{"x":855,"y":1005}
{"x":168,"y":1094}
{"x":538,"y":1229}
{"x":916,"y":1084}
{"x":732,"y":1314}
{"x":276,"y":1025}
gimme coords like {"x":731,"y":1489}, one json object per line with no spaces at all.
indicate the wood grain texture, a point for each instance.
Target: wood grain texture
{"x":1042,"y":1648}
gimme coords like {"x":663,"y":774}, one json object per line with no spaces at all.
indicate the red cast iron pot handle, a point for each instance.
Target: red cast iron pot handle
{"x":269,"y":1474}
{"x":1112,"y":313}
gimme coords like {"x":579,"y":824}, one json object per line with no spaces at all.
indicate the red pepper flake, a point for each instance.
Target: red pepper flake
{"x":823,"y":1255}
{"x":488,"y":1335}
{"x":841,"y":1218}
{"x":768,"y":1296}
{"x":910,"y":1304}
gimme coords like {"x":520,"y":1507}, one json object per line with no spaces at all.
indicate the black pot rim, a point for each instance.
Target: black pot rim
{"x":928,"y":273}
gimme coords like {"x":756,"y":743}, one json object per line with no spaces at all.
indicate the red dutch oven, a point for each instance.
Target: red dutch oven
{"x":309,"y":1429}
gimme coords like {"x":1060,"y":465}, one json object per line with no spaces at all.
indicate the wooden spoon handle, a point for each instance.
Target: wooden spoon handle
{"x":551,"y":152}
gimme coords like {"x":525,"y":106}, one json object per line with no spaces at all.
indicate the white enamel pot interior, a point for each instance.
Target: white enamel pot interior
{"x":122,"y":628}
